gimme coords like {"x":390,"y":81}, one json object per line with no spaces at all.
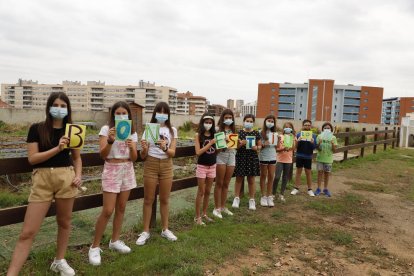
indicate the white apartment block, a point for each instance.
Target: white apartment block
{"x":94,"y":96}
{"x":249,"y":108}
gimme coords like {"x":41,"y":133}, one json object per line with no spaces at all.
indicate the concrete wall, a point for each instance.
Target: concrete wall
{"x":26,"y":117}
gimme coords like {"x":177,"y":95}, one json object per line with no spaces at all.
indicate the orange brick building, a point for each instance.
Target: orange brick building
{"x":393,"y":109}
{"x":320,"y":100}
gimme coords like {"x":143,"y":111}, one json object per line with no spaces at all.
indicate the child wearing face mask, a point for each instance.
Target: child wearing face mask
{"x":57,"y":175}
{"x":284,"y":159}
{"x":247,"y":161}
{"x":118,"y":179}
{"x":205,"y":149}
{"x":327,"y":144}
{"x":267,"y":157}
{"x":158,"y":171}
{"x":226,"y":161}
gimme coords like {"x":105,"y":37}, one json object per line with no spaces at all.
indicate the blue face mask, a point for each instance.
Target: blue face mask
{"x":58,"y":112}
{"x":248,"y":125}
{"x":161,"y":118}
{"x":228,"y":122}
{"x":121,"y":117}
{"x":287,"y":130}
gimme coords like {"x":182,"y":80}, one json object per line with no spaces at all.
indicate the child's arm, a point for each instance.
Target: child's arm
{"x":199,"y":151}
{"x":77,"y":164}
{"x":105,"y":143}
{"x":35,"y":157}
{"x":171,"y":150}
{"x":132,"y":145}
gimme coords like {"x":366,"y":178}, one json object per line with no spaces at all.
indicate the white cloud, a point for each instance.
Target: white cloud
{"x":219,"y":49}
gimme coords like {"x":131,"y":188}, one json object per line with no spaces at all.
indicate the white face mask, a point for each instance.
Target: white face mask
{"x":327,"y":130}
{"x":58,"y":112}
{"x":121,"y":117}
{"x":207,"y":126}
{"x":228,"y":122}
{"x":269,"y":124}
{"x":248,"y":125}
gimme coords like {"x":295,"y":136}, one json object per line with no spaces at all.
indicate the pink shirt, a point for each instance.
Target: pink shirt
{"x":284,"y":156}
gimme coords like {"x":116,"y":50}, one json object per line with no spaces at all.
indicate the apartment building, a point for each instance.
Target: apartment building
{"x":249,"y":108}
{"x":94,"y":96}
{"x":188,"y":104}
{"x":394,"y":109}
{"x":320,"y":100}
{"x":215,"y":109}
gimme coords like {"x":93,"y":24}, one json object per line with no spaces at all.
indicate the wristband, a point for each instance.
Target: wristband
{"x":166,"y":148}
{"x":110,"y":142}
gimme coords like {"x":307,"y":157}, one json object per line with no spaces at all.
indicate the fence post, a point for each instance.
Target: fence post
{"x":154,"y":208}
{"x":374,"y":151}
{"x":346,"y":144}
{"x":393,"y":136}
{"x":364,"y":138}
{"x":385,"y":138}
{"x":398,"y":136}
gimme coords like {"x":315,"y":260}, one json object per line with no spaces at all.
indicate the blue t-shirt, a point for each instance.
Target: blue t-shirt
{"x":305,"y":148}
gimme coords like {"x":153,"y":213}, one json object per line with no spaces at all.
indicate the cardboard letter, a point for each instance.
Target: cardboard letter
{"x":233,"y":140}
{"x":306,"y":135}
{"x":76,"y":134}
{"x":122,"y":129}
{"x":251,"y":142}
{"x":272,"y":138}
{"x":220,"y":140}
{"x":152,"y":132}
{"x":288,"y":141}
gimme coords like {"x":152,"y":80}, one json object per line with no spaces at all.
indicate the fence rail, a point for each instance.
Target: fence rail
{"x":20,"y":165}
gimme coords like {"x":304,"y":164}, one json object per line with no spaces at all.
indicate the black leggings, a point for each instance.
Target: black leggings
{"x":285,"y":168}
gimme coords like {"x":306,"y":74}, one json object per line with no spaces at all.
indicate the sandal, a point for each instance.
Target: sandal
{"x":207,"y":218}
{"x":198,"y":221}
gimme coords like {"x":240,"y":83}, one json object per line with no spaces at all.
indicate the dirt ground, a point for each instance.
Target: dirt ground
{"x":382,"y":239}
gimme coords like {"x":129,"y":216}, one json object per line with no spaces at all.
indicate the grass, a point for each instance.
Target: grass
{"x":346,"y":204}
{"x":341,"y":238}
{"x":378,"y":187}
{"x":196,"y":247}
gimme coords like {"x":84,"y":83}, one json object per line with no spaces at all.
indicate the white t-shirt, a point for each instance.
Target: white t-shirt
{"x":154,"y":150}
{"x":119,"y":149}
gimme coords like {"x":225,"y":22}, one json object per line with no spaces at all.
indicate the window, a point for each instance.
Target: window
{"x":365,"y":100}
{"x":335,"y":106}
{"x":300,"y":112}
{"x":364,"y":116}
{"x":334,"y":114}
{"x":273,"y":97}
{"x":300,"y":105}
{"x":273,"y":89}
{"x":366,"y":92}
{"x":365,"y":108}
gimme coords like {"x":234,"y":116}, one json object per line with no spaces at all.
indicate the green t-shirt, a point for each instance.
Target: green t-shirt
{"x":325,"y":154}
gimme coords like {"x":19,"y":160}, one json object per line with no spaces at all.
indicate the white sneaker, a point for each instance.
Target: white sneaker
{"x":252,"y":204}
{"x":310,"y":193}
{"x":94,"y":255}
{"x":282,"y":198}
{"x":236,"y":202}
{"x":226,"y":211}
{"x":142,"y":238}
{"x":294,"y":191}
{"x":270,"y":202}
{"x":217,"y":213}
{"x":168,"y":235}
{"x":119,"y":246}
{"x":62,"y":267}
{"x":263,"y":201}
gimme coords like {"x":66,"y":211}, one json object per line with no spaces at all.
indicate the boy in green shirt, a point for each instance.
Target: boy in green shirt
{"x":327,"y":143}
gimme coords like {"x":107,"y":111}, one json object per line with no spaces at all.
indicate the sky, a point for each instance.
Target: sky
{"x":217,"y":49}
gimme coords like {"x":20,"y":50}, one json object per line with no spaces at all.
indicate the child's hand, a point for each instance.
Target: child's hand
{"x":129,"y":143}
{"x":111,"y":134}
{"x":255,"y":148}
{"x":320,"y":142}
{"x":77,"y":181}
{"x":162,"y":143}
{"x":63,"y":141}
{"x":212,"y":142}
{"x":266,"y":143}
{"x":144,"y":145}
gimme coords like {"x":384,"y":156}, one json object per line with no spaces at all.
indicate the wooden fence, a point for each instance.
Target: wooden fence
{"x":20,"y":165}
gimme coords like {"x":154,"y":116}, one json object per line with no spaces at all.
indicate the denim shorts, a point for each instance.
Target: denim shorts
{"x":227,"y":157}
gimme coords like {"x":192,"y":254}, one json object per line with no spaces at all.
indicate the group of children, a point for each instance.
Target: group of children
{"x":57,"y":172}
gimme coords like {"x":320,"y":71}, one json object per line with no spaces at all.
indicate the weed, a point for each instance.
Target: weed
{"x":340,"y":237}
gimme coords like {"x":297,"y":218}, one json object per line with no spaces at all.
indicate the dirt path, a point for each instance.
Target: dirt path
{"x":382,"y":235}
